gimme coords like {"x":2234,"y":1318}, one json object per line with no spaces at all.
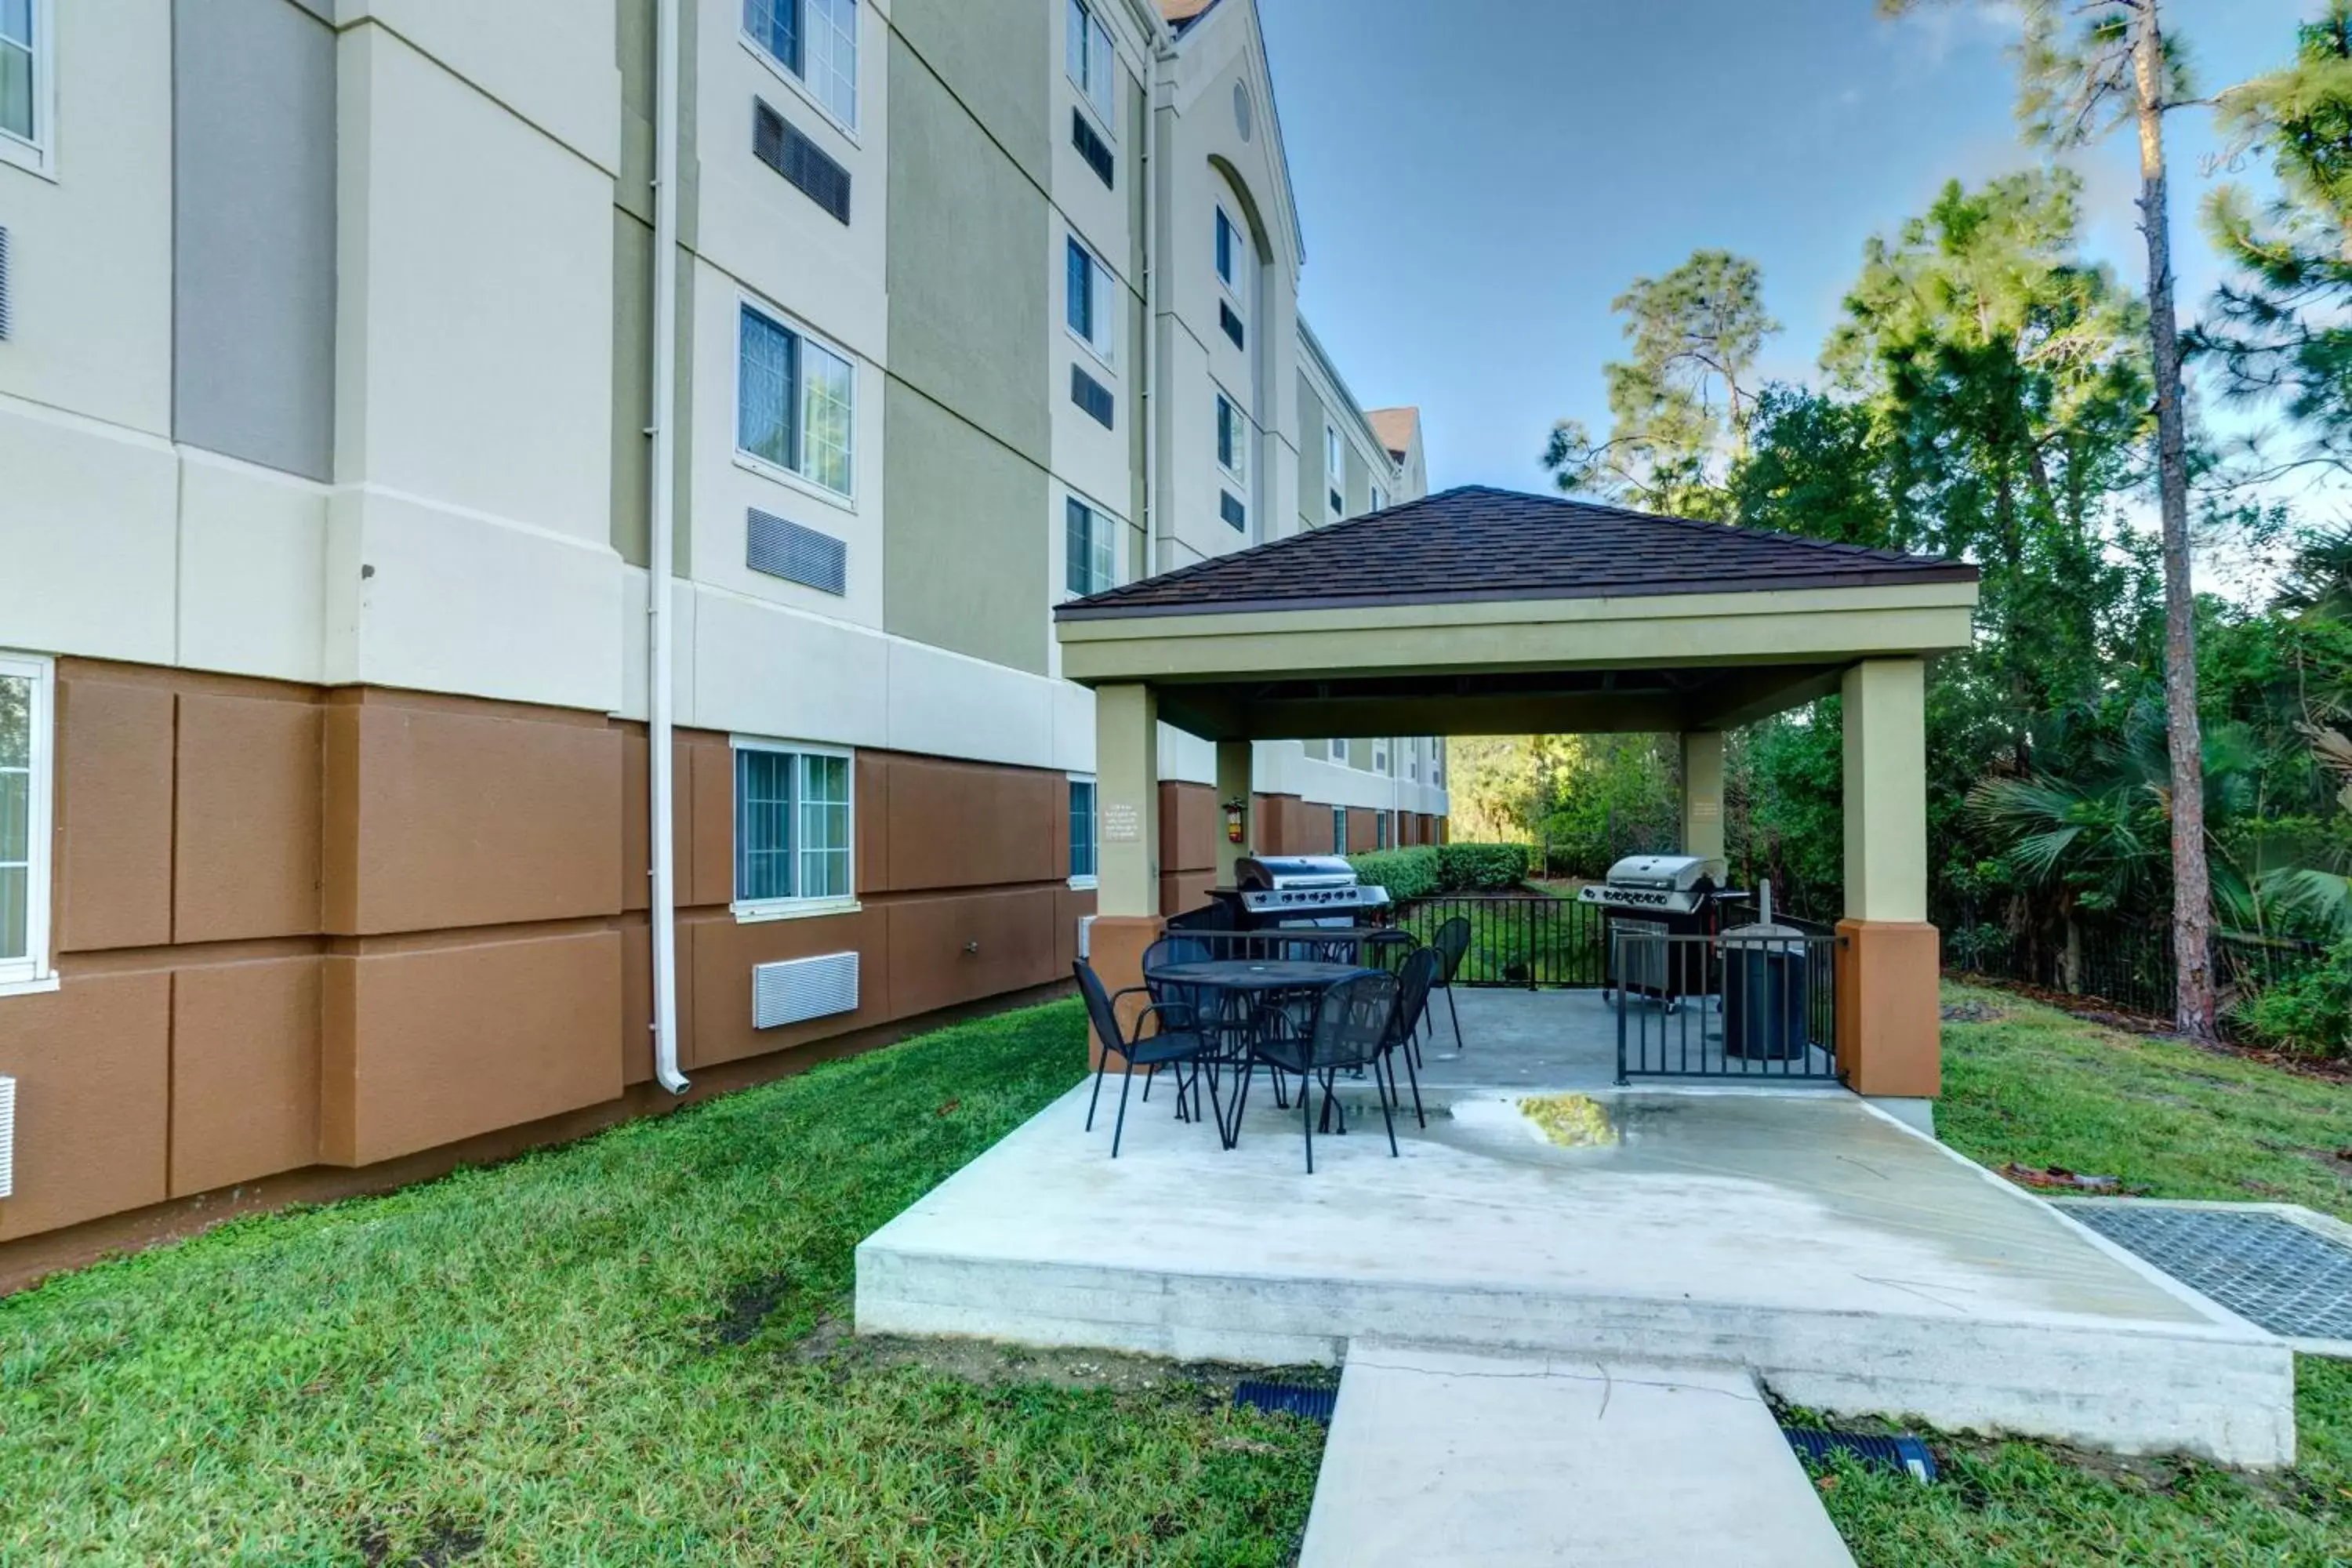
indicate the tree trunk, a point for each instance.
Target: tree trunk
{"x":2192,"y":918}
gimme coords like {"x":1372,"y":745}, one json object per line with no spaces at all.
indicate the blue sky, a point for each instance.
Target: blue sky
{"x":1474,"y":194}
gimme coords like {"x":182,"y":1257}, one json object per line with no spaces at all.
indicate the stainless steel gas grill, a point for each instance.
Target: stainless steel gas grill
{"x":1656,"y":896}
{"x":1298,"y":891}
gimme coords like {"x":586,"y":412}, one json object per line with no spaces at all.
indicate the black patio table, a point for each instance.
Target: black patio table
{"x":1255,"y":980}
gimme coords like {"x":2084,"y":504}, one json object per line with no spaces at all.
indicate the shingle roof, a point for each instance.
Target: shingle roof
{"x":1478,"y":543}
{"x":1394,"y":426}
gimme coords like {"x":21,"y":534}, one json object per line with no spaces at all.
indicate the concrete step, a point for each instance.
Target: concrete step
{"x":1442,"y":1456}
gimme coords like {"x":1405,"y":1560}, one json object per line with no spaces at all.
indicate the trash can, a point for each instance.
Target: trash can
{"x":1765,"y":995}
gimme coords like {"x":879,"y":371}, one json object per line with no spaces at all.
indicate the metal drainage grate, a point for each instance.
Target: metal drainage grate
{"x":1906,"y":1454}
{"x":1287,"y":1399}
{"x":2271,"y":1272}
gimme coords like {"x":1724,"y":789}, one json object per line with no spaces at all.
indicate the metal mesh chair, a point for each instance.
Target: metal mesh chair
{"x":1452,"y":943}
{"x":1354,"y":1022}
{"x":1176,"y":1045}
{"x":1413,"y":981}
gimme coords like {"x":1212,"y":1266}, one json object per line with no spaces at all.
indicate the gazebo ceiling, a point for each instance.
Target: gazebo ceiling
{"x":1483,"y":612}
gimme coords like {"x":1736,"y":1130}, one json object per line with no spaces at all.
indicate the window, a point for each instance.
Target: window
{"x":1380,"y":756}
{"x":793,"y":827}
{"x":1229,"y":249}
{"x":1437,"y":762}
{"x":795,"y":403}
{"x":1380,"y":498}
{"x":1231,"y":255}
{"x":1379,"y":830}
{"x":1340,"y":752}
{"x":1232,"y":443}
{"x":1082,"y":832}
{"x":25,"y":763}
{"x":1091,"y":542}
{"x":815,"y":40}
{"x":1339,"y":830}
{"x":1412,"y":761}
{"x":25,"y":83}
{"x":1094,"y":63}
{"x":1333,"y":468}
{"x":1092,"y":306}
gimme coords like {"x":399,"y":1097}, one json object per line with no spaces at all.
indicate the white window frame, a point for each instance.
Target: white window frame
{"x":1082,"y":882}
{"x":757,"y":49}
{"x":1082,"y":27}
{"x":1380,"y":498}
{"x":1104,"y":303}
{"x":1339,"y":753}
{"x":1380,"y":828}
{"x":32,"y":973}
{"x":39,"y":155}
{"x":1234,"y":288}
{"x":1379,"y":754}
{"x":754,"y":463}
{"x":1238,"y":470}
{"x":1335,"y":471}
{"x":1339,"y":830}
{"x":749,"y":910}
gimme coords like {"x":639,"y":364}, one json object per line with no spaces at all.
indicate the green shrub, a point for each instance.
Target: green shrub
{"x":1409,"y":873}
{"x":1479,"y":867}
{"x":2310,"y":1012}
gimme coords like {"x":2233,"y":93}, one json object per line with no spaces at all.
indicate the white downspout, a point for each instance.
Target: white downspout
{"x":1155,"y":58}
{"x":663,"y":816}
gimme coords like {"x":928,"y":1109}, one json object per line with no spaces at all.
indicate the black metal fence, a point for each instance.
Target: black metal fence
{"x":2130,"y":970}
{"x":1525,"y":939}
{"x":1726,"y":1007}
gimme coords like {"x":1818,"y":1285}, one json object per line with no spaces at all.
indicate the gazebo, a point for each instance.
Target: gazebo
{"x":1480,"y":611}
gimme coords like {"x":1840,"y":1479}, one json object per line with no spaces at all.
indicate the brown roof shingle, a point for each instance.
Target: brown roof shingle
{"x":1479,"y":543}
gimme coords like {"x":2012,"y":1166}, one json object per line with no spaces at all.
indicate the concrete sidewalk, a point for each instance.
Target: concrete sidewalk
{"x":1441,"y":1457}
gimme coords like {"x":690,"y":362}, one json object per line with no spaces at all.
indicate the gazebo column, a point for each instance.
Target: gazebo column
{"x":1703,"y":796}
{"x":1127,"y":831}
{"x":1888,"y":1022}
{"x":1234,"y":782}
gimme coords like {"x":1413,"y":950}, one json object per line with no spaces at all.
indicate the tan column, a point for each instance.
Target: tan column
{"x":1703,"y":796}
{"x":1888,"y":1022}
{"x":1127,"y":834}
{"x":1233,"y":781}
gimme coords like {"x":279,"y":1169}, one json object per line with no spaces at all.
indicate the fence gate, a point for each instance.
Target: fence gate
{"x":1723,"y":1007}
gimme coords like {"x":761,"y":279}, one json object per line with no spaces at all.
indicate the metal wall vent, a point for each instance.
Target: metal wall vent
{"x":1093,"y":396}
{"x":1231,"y":323}
{"x":800,"y":989}
{"x":800,"y":161}
{"x":4,"y":285}
{"x":784,"y":549}
{"x":7,"y":1136}
{"x":1230,"y":507}
{"x":1093,"y":149}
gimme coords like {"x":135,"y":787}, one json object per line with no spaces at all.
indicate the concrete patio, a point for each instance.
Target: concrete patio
{"x":1798,"y":1235}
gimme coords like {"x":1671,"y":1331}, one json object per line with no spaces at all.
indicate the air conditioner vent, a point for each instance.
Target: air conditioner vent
{"x":1231,"y":323}
{"x":4,"y":285}
{"x":1230,"y":507}
{"x":780,"y":145}
{"x":1093,"y":396}
{"x":800,"y":989}
{"x":783,"y":549}
{"x":1093,"y":149}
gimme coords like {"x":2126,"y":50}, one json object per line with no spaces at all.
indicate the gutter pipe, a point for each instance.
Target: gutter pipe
{"x":659,"y":577}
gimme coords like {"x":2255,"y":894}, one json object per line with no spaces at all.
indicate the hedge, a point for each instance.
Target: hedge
{"x":1426,"y":870}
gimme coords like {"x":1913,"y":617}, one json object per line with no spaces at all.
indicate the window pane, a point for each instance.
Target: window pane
{"x":15,"y":937}
{"x":1224,"y":247}
{"x":1082,"y":828}
{"x":17,"y":21}
{"x":763,"y":402}
{"x":17,"y":91}
{"x":775,"y":25}
{"x":764,"y":825}
{"x":1079,"y":274}
{"x":1074,"y":42}
{"x":15,"y":816}
{"x":826,"y":409}
{"x":1077,"y":547}
{"x":1099,"y":532}
{"x":831,"y":68}
{"x":1103,"y":312}
{"x":1102,"y":73}
{"x":15,"y":722}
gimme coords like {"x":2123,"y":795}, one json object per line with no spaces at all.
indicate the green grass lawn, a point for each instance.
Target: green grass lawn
{"x":2028,"y":1084}
{"x":609,"y":1352}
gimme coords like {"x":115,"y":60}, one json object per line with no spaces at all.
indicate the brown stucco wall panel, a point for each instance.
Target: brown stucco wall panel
{"x":91,"y":1060}
{"x":709,"y":875}
{"x":1189,"y":824}
{"x":962,"y":947}
{"x":461,"y":817}
{"x":968,"y":825}
{"x":424,"y":1046}
{"x":1361,"y":829}
{"x":245,"y":1071}
{"x":870,"y":810}
{"x":1182,"y":890}
{"x":637,"y":997}
{"x":636,"y":814}
{"x":113,"y":814}
{"x":724,"y":952}
{"x":245,"y":844}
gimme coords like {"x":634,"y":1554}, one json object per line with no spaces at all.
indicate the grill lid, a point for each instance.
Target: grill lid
{"x":1269,"y":872}
{"x":1676,"y":873}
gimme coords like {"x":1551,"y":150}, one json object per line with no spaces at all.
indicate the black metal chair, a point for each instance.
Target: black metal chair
{"x":1452,"y":943}
{"x":1178,"y":1043}
{"x":1413,"y":981}
{"x":1388,"y":949}
{"x":1354,"y":1021}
